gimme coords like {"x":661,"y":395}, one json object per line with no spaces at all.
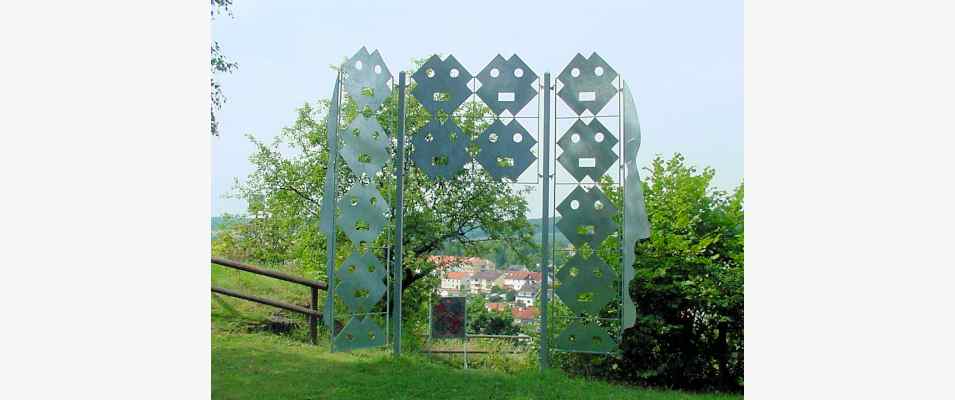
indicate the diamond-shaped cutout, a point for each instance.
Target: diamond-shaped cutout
{"x":587,"y":84}
{"x":359,"y":333}
{"x":507,"y":84}
{"x":440,"y":150}
{"x":366,"y":79}
{"x":585,"y":338}
{"x":506,"y":149}
{"x":586,"y":216}
{"x":362,"y":213}
{"x":586,"y":285}
{"x":587,"y":150}
{"x":441,"y":85}
{"x":366,"y":145}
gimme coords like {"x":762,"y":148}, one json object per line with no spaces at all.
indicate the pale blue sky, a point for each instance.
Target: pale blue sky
{"x":682,"y":59}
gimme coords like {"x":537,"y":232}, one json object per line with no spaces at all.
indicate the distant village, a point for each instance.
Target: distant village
{"x":512,"y":289}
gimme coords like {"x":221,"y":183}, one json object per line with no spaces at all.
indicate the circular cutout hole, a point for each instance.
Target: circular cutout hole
{"x":371,"y":268}
{"x":359,"y":65}
{"x":574,"y":204}
{"x":454,"y":73}
{"x":378,"y":69}
{"x":428,"y":138}
{"x":495,"y":72}
{"x":492,"y":138}
{"x":519,"y":72}
{"x":518,"y":138}
{"x":354,"y":202}
{"x":575,"y":72}
{"x":429,"y":72}
{"x":599,"y":137}
{"x":598,"y":205}
{"x":575,"y":138}
{"x":599,"y":71}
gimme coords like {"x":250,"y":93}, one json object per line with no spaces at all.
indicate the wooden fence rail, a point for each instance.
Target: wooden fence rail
{"x":314,"y":286}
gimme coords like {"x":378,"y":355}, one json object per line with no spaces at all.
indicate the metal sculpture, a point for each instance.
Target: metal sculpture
{"x":505,"y":149}
{"x":586,"y":282}
{"x":361,"y":213}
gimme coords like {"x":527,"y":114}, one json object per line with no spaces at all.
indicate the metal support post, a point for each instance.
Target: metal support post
{"x":398,"y":270}
{"x":545,"y":226}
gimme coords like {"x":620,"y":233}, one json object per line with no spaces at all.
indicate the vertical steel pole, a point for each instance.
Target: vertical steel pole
{"x":545,"y":226}
{"x":399,"y":210}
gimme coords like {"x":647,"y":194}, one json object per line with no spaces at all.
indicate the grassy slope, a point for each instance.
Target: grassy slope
{"x":268,"y":366}
{"x":264,"y":366}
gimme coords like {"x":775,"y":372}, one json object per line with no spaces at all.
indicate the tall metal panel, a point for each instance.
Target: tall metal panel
{"x":585,"y":282}
{"x":361,"y":213}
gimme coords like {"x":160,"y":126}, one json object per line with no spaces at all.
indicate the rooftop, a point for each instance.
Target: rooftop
{"x":524,"y":313}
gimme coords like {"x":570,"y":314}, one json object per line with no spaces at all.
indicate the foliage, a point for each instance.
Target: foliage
{"x":484,"y":322}
{"x":219,"y":63}
{"x":284,"y":195}
{"x":688,"y":287}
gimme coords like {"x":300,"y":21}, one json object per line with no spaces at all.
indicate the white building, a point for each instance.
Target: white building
{"x":517,"y":279}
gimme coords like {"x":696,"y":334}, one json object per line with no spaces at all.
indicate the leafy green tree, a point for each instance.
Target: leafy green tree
{"x":484,"y":322}
{"x":688,"y":288}
{"x":219,"y":63}
{"x":284,"y":196}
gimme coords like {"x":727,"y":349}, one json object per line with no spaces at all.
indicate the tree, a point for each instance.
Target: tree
{"x":219,"y":64}
{"x":484,"y":322}
{"x":688,"y":287}
{"x":284,"y":193}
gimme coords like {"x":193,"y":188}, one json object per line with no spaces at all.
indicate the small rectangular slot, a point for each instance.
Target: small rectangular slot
{"x":585,"y":229}
{"x":586,"y":96}
{"x":505,"y":162}
{"x":587,"y":162}
{"x":505,"y":96}
{"x":441,"y":96}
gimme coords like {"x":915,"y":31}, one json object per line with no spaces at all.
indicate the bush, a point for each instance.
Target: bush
{"x":688,"y":287}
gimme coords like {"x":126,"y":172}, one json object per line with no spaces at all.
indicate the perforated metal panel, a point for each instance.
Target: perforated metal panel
{"x":442,"y":85}
{"x":588,"y":84}
{"x":366,"y":79}
{"x":440,"y":150}
{"x":588,"y":150}
{"x":507,"y":85}
{"x":586,"y":282}
{"x":359,"y":282}
{"x":506,"y":149}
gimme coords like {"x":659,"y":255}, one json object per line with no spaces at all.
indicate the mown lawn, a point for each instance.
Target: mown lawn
{"x":267,"y":366}
{"x":251,"y":364}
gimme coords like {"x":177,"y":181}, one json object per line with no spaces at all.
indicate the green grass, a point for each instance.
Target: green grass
{"x":247,"y":364}
{"x":264,"y":366}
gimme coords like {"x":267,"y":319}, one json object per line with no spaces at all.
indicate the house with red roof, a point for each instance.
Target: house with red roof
{"x":525,"y":315}
{"x":517,"y":279}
